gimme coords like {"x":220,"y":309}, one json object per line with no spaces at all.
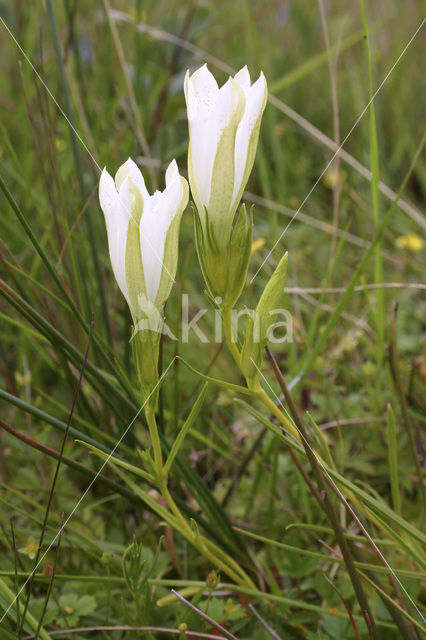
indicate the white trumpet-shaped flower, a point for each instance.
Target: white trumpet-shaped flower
{"x":224,"y":129}
{"x":143,"y":233}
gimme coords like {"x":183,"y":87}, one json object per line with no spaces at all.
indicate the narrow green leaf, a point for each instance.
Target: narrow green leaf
{"x":185,"y":428}
{"x":393,"y":460}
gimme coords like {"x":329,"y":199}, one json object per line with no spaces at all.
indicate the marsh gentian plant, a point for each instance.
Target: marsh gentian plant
{"x":143,"y":232}
{"x":223,"y":134}
{"x":143,"y":242}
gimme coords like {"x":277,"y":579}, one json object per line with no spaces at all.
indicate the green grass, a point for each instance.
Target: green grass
{"x":356,"y":364}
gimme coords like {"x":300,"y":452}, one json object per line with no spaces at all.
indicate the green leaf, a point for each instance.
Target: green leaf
{"x":239,"y":255}
{"x":74,"y":607}
{"x":262,"y":320}
{"x":185,"y":428}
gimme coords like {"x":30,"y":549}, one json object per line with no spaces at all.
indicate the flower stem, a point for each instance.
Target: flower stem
{"x":227,"y":565}
{"x":236,"y":574}
{"x":155,"y":439}
{"x":281,"y":417}
{"x":259,"y":393}
{"x":229,"y":335}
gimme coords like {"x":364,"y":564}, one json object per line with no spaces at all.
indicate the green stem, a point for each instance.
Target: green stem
{"x":270,"y":404}
{"x":229,"y":335}
{"x":257,"y":393}
{"x":155,"y":439}
{"x":238,"y":575}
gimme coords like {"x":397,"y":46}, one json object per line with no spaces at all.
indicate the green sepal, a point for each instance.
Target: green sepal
{"x":224,"y":269}
{"x":212,"y":259}
{"x":146,"y":346}
{"x":239,"y":255}
{"x":261,"y":321}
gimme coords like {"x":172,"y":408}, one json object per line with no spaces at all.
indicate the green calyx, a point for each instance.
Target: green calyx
{"x":224,"y":262}
{"x":146,"y":345}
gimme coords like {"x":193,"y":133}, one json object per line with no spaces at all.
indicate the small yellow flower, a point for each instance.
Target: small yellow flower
{"x":23,"y":379}
{"x":30,"y":548}
{"x":410,"y":241}
{"x":60,"y":144}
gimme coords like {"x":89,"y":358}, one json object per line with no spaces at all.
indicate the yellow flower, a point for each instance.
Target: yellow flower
{"x":410,"y":241}
{"x":30,"y":548}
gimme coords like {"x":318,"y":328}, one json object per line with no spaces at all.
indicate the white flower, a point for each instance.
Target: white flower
{"x":223,"y":129}
{"x":143,"y":234}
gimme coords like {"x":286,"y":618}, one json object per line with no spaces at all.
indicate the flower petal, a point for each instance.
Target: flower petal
{"x":132,"y":201}
{"x":247,"y":135}
{"x":159,"y":214}
{"x":153,"y":228}
{"x":206,"y":131}
{"x":172,"y":173}
{"x":243,"y":79}
{"x":228,"y":113}
{"x":131,"y":170}
{"x":117,"y":221}
{"x":201,"y":89}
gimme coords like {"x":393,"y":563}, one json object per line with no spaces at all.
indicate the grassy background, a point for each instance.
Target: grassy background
{"x":119,"y":81}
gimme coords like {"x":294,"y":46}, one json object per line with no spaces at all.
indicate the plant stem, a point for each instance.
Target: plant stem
{"x":260,"y":393}
{"x":238,"y":575}
{"x":270,"y":404}
{"x":155,"y":439}
{"x":229,"y":335}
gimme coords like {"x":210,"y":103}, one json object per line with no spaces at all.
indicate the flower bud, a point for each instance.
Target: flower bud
{"x":224,"y":130}
{"x":143,"y":235}
{"x":212,"y":580}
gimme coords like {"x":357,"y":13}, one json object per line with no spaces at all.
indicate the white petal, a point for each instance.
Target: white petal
{"x":205,"y":89}
{"x":117,"y":220}
{"x":191,"y":100}
{"x":152,"y":240}
{"x":255,"y":104}
{"x":171,"y":202}
{"x":131,"y":170}
{"x":259,"y":90}
{"x":107,"y":192}
{"x":132,"y":199}
{"x":205,"y":133}
{"x":172,"y":173}
{"x":243,"y":79}
{"x":155,"y":222}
